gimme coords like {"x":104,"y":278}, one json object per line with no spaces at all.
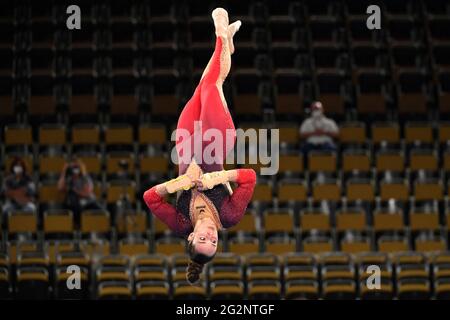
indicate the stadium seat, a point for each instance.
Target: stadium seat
{"x":227,"y":290}
{"x":278,"y":221}
{"x":95,"y":221}
{"x":133,"y":247}
{"x":152,"y":290}
{"x":32,"y":283}
{"x":169,"y":246}
{"x":113,"y":290}
{"x":185,"y":291}
{"x":58,"y":223}
{"x":264,"y":290}
{"x":22,"y":223}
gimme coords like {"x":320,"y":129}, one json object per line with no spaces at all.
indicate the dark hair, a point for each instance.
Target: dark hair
{"x":18,"y":161}
{"x":195,"y":266}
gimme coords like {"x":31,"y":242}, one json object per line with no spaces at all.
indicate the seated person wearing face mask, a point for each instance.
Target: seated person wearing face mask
{"x":19,"y":189}
{"x":78,"y":187}
{"x":318,"y":131}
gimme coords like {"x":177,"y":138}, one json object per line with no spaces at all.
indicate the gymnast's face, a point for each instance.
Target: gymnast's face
{"x":205,"y":235}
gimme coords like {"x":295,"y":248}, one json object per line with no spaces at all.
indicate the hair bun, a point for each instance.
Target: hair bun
{"x":194,"y":270}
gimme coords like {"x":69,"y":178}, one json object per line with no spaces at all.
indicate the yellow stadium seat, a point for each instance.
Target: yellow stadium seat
{"x":413,"y":289}
{"x":247,"y":224}
{"x":278,"y":221}
{"x":52,"y":135}
{"x":444,"y":132}
{"x":355,"y":161}
{"x":354,"y":132}
{"x":18,"y":135}
{"x":318,"y":221}
{"x":350,"y":220}
{"x":289,"y":135}
{"x":390,"y":161}
{"x":115,"y":190}
{"x":354,"y":247}
{"x":95,"y":221}
{"x":152,"y":290}
{"x":165,"y":105}
{"x":132,"y":222}
{"x":113,"y":159}
{"x":153,"y":135}
{"x":430,"y":245}
{"x":428,"y":191}
{"x":424,"y":221}
{"x":58,"y":222}
{"x":384,"y":221}
{"x":56,"y":248}
{"x":133,"y":248}
{"x":360,"y":190}
{"x":326,"y":191}
{"x":99,"y":247}
{"x":262,"y":193}
{"x":184,"y":291}
{"x":93,"y":163}
{"x":170,"y":246}
{"x":118,"y":103}
{"x":319,"y":246}
{"x":302,"y":289}
{"x":290,"y":164}
{"x":395,"y":190}
{"x":14,"y":248}
{"x":232,"y":290}
{"x":244,"y":246}
{"x":264,"y":291}
{"x":119,"y":135}
{"x":423,"y":161}
{"x":85,"y":134}
{"x":154,"y":164}
{"x":292,"y":191}
{"x":388,"y":132}
{"x":280,"y":245}
{"x":112,"y":291}
{"x":418,"y":132}
{"x":325,"y":162}
{"x":22,"y":222}
{"x":51,"y":165}
{"x":48,"y":193}
{"x":32,"y":283}
{"x":389,"y":245}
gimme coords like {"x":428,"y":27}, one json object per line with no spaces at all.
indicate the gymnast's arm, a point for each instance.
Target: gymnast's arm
{"x":177,"y":222}
{"x":233,"y":208}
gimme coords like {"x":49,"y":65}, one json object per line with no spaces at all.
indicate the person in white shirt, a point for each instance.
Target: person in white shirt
{"x":318,"y":131}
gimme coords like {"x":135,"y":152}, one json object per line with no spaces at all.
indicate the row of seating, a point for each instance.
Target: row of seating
{"x":350,"y":230}
{"x":157,"y":134}
{"x":256,"y":276}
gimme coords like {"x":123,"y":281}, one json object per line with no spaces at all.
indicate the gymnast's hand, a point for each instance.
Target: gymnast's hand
{"x":183,"y":182}
{"x":212,"y":179}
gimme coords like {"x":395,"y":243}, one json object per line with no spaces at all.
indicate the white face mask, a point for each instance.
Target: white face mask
{"x":76,"y":171}
{"x":17,"y":169}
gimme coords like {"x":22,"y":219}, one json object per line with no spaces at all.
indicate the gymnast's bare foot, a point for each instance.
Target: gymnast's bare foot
{"x":220,"y":17}
{"x":232,"y":29}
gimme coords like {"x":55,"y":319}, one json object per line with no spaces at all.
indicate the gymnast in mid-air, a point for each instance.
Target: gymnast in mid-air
{"x":205,"y":201}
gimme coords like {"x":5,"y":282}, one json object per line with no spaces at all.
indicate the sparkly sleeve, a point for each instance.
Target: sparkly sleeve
{"x":165,"y":212}
{"x":233,"y":208}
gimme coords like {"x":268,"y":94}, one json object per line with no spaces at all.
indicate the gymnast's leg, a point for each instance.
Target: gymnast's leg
{"x":214,"y":110}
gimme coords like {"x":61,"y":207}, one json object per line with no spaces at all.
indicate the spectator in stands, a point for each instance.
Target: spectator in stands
{"x":318,"y":131}
{"x":79,"y":188}
{"x":19,"y":189}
